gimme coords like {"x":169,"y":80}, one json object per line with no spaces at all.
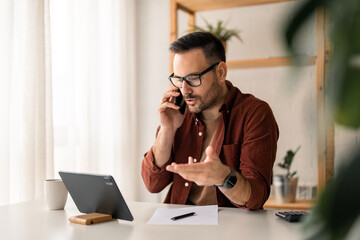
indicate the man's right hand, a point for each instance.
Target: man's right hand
{"x":170,"y":120}
{"x":169,"y":115}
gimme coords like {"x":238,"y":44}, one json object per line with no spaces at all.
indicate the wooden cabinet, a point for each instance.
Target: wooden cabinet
{"x":325,"y":132}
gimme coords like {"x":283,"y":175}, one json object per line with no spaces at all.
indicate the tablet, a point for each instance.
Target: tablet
{"x":96,"y":193}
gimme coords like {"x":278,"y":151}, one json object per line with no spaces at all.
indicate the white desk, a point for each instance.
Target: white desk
{"x":32,"y":220}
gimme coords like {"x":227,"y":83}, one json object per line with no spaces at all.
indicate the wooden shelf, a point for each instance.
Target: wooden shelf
{"x":300,"y":204}
{"x":204,"y":5}
{"x":269,"y":62}
{"x":324,"y":131}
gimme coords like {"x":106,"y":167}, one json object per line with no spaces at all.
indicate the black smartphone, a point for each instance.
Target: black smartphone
{"x":179,"y":101}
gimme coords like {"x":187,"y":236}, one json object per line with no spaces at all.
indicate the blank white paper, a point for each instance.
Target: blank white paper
{"x":204,"y":215}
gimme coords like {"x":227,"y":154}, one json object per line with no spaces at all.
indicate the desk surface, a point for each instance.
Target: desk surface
{"x":32,"y":220}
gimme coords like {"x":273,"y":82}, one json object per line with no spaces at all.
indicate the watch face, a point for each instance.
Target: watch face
{"x":231,"y":181}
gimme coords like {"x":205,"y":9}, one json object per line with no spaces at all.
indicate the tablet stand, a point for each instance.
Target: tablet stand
{"x":91,"y":218}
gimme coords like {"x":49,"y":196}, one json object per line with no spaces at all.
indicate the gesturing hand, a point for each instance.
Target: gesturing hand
{"x":209,"y":172}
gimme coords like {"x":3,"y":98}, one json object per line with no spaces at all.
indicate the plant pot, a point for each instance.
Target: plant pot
{"x":285,"y":189}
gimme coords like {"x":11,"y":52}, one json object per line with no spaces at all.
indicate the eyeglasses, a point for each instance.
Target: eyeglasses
{"x":193,"y":79}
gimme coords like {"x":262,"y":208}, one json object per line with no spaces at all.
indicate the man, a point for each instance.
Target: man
{"x":222,"y":150}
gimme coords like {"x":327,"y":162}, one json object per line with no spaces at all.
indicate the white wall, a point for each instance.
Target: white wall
{"x":152,"y":70}
{"x":291,"y":97}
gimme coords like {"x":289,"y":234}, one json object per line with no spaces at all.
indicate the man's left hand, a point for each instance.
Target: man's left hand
{"x":210,"y":172}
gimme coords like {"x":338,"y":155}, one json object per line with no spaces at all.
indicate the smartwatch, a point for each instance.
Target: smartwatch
{"x":229,"y":181}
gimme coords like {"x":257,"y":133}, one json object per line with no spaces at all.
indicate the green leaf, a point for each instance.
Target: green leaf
{"x":219,"y":30}
{"x":338,"y":206}
{"x":293,"y":174}
{"x":343,"y":87}
{"x":282,"y":165}
{"x":299,"y":18}
{"x":344,"y":71}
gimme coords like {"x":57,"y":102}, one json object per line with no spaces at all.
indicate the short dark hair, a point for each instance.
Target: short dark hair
{"x":212,"y":47}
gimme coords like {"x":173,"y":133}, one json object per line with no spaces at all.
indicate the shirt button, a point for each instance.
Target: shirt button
{"x":186,"y":184}
{"x":228,"y":111}
{"x":200,"y":134}
{"x":195,"y":160}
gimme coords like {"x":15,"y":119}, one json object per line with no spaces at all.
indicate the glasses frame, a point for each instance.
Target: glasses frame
{"x":189,"y":82}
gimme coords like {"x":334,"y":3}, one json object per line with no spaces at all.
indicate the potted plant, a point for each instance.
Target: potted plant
{"x":286,"y":185}
{"x":220,"y":31}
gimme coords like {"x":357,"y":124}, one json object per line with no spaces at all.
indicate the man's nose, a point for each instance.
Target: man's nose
{"x":186,"y":88}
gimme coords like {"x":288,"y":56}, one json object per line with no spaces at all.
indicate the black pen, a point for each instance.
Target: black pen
{"x":183,"y":216}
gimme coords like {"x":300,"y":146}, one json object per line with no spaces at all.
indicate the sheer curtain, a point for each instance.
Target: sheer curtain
{"x":67,"y":93}
{"x":95,"y":89}
{"x":25,"y":92}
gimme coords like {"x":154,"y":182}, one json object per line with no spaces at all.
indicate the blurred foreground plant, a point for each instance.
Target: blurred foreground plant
{"x":338,"y":208}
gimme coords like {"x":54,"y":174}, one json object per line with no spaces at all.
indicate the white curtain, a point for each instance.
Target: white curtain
{"x":25,"y":92}
{"x":69,"y":66}
{"x":94,"y":89}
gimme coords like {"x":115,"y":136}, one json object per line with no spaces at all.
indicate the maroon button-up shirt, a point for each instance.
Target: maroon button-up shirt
{"x":246,"y":141}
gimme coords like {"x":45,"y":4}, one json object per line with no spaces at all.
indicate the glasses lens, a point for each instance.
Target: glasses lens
{"x":193,"y":80}
{"x":177,"y":82}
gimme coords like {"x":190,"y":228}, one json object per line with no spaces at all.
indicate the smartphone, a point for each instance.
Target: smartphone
{"x":179,"y":101}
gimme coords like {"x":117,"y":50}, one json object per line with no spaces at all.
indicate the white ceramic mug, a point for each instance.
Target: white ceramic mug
{"x":55,"y":194}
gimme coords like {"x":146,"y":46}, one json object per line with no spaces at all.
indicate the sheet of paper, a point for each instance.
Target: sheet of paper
{"x":204,"y":215}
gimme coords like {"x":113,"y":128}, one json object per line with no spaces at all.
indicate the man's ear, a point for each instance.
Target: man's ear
{"x":222,"y":71}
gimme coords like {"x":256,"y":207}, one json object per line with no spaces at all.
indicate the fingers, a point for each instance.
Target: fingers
{"x":190,"y":160}
{"x":209,"y":151}
{"x":187,"y":174}
{"x":167,"y":100}
{"x":166,"y":105}
{"x":190,"y":167}
{"x":210,"y":154}
{"x":191,"y":174}
{"x":169,"y":95}
{"x":176,"y":168}
{"x":201,"y":173}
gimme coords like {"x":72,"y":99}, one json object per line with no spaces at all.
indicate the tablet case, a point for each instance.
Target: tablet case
{"x":96,"y":194}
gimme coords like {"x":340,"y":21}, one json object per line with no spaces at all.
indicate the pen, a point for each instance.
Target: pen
{"x":183,"y":216}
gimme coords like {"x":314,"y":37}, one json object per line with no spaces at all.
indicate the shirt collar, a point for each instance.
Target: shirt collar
{"x":233,"y":92}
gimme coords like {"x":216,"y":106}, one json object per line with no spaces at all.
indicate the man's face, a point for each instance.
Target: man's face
{"x":208,"y":94}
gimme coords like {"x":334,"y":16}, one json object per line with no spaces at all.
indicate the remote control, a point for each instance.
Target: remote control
{"x":291,"y":216}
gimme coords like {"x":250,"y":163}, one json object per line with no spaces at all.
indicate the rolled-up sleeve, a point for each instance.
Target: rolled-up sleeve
{"x":258,"y":153}
{"x":155,"y":178}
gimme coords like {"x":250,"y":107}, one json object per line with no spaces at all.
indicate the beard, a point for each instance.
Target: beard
{"x":209,"y":100}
